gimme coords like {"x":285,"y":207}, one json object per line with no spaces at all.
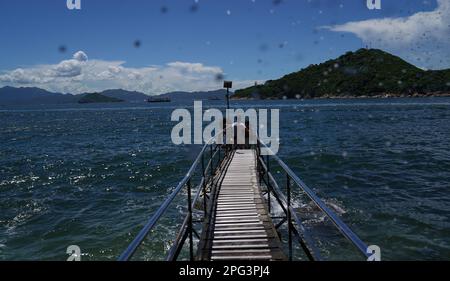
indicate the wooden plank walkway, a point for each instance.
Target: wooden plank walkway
{"x":242,"y":228}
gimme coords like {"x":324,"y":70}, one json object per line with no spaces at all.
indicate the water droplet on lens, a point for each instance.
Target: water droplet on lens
{"x":194,"y":8}
{"x":219,"y":77}
{"x":137,"y":44}
{"x":164,"y":9}
{"x":62,"y":49}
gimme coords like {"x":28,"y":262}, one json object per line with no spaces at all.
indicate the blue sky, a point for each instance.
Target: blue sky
{"x":185,"y":44}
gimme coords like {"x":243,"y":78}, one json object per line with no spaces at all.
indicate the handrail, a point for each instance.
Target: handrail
{"x":137,"y":241}
{"x":341,"y":226}
{"x":182,"y":234}
{"x":311,"y":249}
{"x":134,"y":245}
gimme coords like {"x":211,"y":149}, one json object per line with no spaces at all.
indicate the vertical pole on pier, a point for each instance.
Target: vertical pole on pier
{"x":220,"y":160}
{"x":228,"y":85}
{"x":288,"y":190}
{"x":190,"y":228}
{"x":204,"y":185}
{"x":212,"y":160}
{"x":259,"y":169}
{"x":268,"y":182}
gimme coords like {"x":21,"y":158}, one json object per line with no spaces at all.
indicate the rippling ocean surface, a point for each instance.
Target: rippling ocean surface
{"x":91,"y":175}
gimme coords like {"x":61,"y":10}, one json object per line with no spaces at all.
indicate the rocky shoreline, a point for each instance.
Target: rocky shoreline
{"x":378,"y":96}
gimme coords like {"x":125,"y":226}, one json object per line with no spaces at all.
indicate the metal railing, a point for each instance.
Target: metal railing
{"x":294,"y":223}
{"x":211,"y":174}
{"x":187,"y":230}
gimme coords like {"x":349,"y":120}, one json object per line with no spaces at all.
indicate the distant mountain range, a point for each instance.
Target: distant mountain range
{"x":28,"y":96}
{"x":364,"y":73}
{"x":97,"y":98}
{"x":124,"y":95}
{"x":11,"y":95}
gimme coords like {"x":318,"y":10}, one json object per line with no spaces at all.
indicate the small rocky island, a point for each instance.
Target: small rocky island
{"x":97,"y":98}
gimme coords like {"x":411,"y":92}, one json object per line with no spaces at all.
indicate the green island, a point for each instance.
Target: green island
{"x":366,"y":73}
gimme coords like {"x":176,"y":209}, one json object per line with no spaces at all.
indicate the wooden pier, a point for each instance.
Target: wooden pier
{"x":241,"y":227}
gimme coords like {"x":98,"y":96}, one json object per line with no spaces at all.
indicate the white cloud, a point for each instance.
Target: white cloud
{"x":80,"y":56}
{"x":80,"y":74}
{"x":422,"y":38}
{"x":194,"y":67}
{"x":68,"y":68}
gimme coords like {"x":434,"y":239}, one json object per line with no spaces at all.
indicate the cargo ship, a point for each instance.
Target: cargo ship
{"x":156,"y":99}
